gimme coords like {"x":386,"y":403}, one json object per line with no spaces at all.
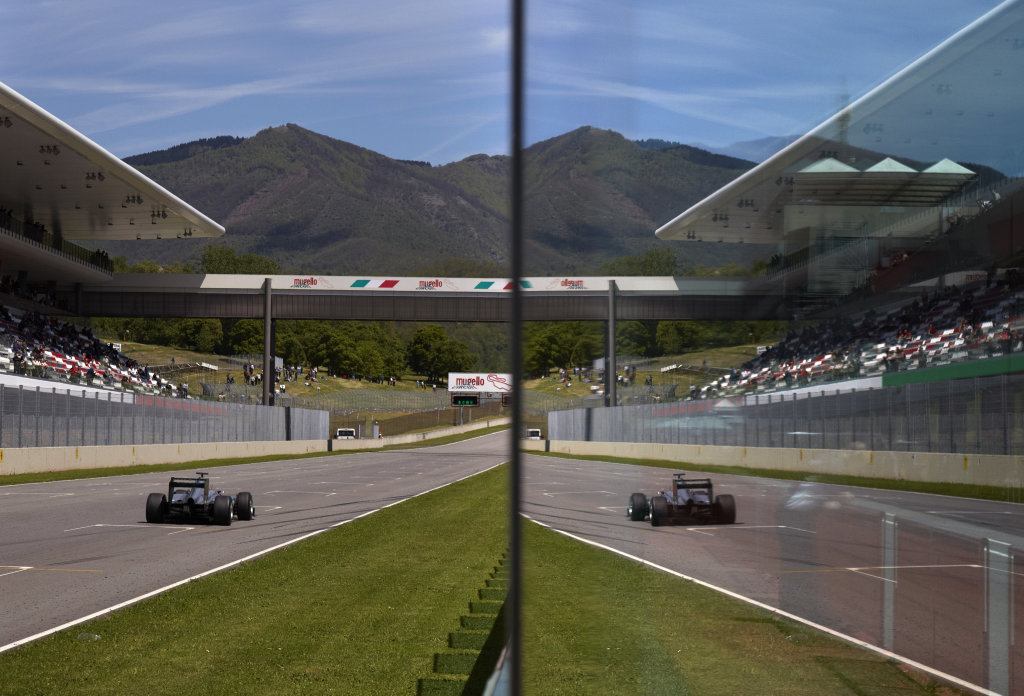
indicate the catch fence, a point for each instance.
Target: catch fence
{"x":49,"y":418}
{"x":981,"y":415}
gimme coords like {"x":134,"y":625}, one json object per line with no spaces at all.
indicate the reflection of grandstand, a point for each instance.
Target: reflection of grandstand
{"x":896,"y":231}
{"x":953,"y":325}
{"x":907,"y":184}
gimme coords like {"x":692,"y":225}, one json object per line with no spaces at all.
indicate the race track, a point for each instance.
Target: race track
{"x":933,"y":579}
{"x":69,"y":549}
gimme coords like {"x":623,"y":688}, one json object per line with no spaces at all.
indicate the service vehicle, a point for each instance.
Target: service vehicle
{"x":192,"y":500}
{"x":690,"y":499}
{"x":346,"y":434}
{"x":533,"y":434}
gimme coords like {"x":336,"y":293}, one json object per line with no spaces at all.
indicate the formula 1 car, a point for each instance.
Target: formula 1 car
{"x":691,"y":498}
{"x":192,"y":500}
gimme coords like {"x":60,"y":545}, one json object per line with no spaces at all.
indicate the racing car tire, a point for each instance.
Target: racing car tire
{"x":244,"y":509}
{"x":637,"y":507}
{"x":659,"y":511}
{"x":156,"y":507}
{"x":222,"y":510}
{"x":725,"y":509}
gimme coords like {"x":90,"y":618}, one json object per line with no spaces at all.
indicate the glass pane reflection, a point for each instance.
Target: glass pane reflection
{"x":889,"y":256}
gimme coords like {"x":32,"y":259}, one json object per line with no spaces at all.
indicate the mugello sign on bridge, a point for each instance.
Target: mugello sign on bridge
{"x":472,"y":285}
{"x":479,"y":382}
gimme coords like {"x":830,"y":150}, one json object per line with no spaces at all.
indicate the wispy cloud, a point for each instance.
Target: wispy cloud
{"x":431,"y":79}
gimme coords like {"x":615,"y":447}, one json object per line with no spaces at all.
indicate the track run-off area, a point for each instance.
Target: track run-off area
{"x":932,"y":580}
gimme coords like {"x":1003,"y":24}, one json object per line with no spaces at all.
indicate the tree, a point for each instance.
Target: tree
{"x":224,"y":259}
{"x":368,"y":349}
{"x":200,"y":335}
{"x":245,"y":337}
{"x":654,"y":262}
{"x":560,"y":344}
{"x":675,"y":337}
{"x":635,"y":338}
{"x":292,"y":350}
{"x":433,"y":354}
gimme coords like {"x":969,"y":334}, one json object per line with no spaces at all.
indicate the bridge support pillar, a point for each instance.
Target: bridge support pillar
{"x":268,"y":368}
{"x":609,"y":367}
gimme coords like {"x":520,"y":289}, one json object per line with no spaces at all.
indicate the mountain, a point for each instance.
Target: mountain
{"x":320,"y":205}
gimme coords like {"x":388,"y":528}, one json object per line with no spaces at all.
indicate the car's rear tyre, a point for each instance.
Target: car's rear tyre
{"x":222,"y":510}
{"x":156,"y":507}
{"x":244,"y":509}
{"x":637,"y":509}
{"x":659,"y":511}
{"x":725,"y":509}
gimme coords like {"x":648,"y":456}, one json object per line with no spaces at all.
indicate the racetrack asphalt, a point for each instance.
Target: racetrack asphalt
{"x":69,"y":549}
{"x":933,"y":579}
{"x":918,"y":575}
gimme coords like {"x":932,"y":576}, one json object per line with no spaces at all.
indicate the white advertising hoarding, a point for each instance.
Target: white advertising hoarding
{"x":479,"y":382}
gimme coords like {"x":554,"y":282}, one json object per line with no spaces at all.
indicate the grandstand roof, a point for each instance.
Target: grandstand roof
{"x":952,"y":105}
{"x":55,"y":176}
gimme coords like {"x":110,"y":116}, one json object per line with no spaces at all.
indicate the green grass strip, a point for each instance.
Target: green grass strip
{"x":960,"y":490}
{"x":595,"y":623}
{"x":360,"y":609}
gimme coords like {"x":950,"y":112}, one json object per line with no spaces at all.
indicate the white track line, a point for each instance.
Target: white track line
{"x":779,"y":612}
{"x":135,"y":600}
{"x":11,"y":570}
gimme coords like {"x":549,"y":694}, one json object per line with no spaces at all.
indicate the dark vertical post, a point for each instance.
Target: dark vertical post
{"x":609,"y":368}
{"x":268,"y":375}
{"x":515,"y":592}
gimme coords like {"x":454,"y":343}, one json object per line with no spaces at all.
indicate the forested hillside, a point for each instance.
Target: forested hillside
{"x":319,"y":205}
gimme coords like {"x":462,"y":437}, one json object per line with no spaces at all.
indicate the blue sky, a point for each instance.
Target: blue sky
{"x":429,"y":81}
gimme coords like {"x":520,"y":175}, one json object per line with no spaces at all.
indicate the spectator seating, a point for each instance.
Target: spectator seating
{"x":982,"y":320}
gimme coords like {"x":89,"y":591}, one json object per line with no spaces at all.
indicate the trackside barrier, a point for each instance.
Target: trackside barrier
{"x":26,"y":460}
{"x":1003,"y":471}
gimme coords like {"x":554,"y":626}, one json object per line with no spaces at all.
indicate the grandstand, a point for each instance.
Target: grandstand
{"x":980,"y":320}
{"x":63,"y":196}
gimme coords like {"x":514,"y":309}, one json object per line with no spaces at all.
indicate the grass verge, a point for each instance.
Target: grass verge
{"x":960,"y":490}
{"x":360,"y":609}
{"x":595,"y":623}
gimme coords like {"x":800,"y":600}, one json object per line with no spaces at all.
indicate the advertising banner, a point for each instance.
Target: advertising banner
{"x":480,"y":382}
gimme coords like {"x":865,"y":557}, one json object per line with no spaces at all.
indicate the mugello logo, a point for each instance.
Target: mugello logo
{"x":437,"y":284}
{"x":463,"y":382}
{"x":304,"y":282}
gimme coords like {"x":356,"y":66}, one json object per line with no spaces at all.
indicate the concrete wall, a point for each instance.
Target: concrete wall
{"x":24,"y":460}
{"x":981,"y":469}
{"x":410,"y":438}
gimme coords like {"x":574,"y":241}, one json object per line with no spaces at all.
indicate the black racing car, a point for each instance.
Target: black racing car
{"x":192,"y":500}
{"x":689,"y":499}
